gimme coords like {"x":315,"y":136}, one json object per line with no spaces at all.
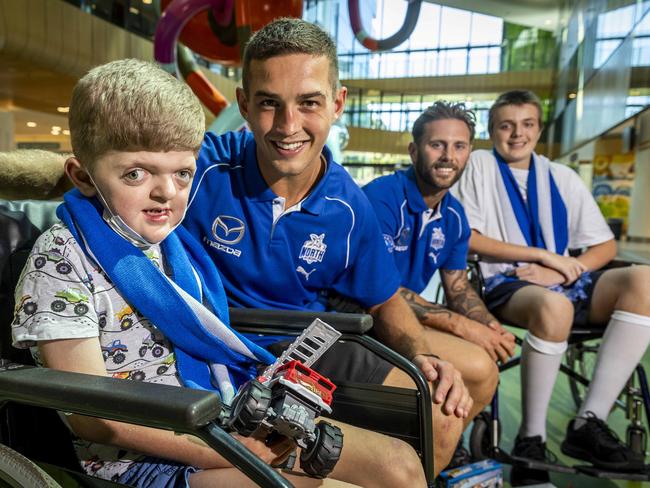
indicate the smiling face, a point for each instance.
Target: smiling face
{"x":290,"y":108}
{"x":441,"y":154}
{"x":515,"y":133}
{"x":149,"y":190}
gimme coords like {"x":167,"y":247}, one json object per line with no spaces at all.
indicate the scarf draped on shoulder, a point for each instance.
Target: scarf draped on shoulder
{"x":190,"y":308}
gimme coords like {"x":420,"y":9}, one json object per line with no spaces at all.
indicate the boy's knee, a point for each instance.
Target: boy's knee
{"x":405,"y":468}
{"x":552,"y":317}
{"x":636,"y":282}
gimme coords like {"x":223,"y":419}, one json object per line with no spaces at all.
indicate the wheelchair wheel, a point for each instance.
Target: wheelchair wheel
{"x":480,"y":439}
{"x":319,"y":459}
{"x":581,"y":358}
{"x":16,"y":471}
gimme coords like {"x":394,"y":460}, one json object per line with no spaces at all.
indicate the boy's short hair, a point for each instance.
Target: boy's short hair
{"x":443,"y":110}
{"x":515,"y":97}
{"x":133,"y":105}
{"x":290,"y":36}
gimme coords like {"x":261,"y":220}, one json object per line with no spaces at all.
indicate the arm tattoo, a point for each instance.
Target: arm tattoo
{"x":462,"y":298}
{"x":423,"y":312}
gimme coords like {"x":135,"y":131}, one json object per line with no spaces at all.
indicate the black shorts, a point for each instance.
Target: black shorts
{"x":500,"y":294}
{"x":346,"y":361}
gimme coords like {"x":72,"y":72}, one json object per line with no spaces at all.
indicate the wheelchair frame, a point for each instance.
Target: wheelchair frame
{"x":365,"y":406}
{"x":486,"y":430}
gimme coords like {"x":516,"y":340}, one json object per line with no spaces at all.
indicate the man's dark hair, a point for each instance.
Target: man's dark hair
{"x":443,"y":110}
{"x":290,"y":36}
{"x":515,"y":97}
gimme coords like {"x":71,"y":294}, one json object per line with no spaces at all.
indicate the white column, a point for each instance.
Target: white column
{"x":6,"y":131}
{"x":639,"y":220}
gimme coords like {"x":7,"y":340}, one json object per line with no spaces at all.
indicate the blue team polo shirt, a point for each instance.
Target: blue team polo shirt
{"x":332,"y":241}
{"x":421,"y":240}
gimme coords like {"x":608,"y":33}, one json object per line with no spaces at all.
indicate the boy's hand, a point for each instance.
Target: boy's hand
{"x":570,"y":268}
{"x":273,"y":452}
{"x":539,"y":275}
{"x":449,"y":388}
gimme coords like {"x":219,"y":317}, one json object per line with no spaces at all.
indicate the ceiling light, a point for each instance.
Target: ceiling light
{"x":63,"y":110}
{"x":56,"y":127}
{"x":134,"y":10}
{"x":31,"y":124}
{"x":66,"y":132}
{"x":146,"y":2}
{"x":572,"y":95}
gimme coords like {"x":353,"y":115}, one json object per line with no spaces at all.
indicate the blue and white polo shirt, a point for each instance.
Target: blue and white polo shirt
{"x":270,"y":258}
{"x":422,"y":240}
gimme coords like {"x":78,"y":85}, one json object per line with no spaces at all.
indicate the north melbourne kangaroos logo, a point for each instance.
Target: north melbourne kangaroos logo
{"x":314,"y":249}
{"x":437,"y":239}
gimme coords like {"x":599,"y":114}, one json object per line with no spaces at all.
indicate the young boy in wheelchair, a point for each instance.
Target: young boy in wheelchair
{"x":526,"y":213}
{"x":97,"y":290}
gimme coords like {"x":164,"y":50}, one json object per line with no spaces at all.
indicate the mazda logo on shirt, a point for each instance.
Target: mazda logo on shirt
{"x":228,"y":230}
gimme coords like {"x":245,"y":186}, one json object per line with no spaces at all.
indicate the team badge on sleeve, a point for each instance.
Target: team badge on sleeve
{"x":314,"y":249}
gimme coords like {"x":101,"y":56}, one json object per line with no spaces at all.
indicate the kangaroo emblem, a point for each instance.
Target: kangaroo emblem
{"x":302,"y":271}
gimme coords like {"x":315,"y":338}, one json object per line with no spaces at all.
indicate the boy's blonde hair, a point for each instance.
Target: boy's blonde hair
{"x":133,"y":105}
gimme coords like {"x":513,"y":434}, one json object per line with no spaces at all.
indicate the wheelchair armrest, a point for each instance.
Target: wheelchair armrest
{"x":167,"y":407}
{"x":183,"y":409}
{"x":294,"y":320}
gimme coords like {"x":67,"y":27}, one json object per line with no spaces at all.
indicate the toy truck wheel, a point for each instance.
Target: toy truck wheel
{"x":319,"y":459}
{"x":250,"y":407}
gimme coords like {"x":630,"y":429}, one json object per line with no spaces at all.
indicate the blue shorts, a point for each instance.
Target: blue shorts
{"x":500,"y":288}
{"x":151,"y":472}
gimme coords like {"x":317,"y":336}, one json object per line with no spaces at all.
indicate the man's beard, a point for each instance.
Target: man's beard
{"x":429,"y":179}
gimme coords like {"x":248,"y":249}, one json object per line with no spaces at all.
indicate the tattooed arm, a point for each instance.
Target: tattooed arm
{"x":497,"y":342}
{"x":462,"y":298}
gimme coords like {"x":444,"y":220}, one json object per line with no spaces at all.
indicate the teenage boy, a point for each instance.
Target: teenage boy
{"x":287,"y":226}
{"x":526,"y":213}
{"x":95,"y":293}
{"x":425,"y":230}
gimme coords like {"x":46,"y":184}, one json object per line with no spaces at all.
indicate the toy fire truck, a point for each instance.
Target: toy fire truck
{"x":288,"y":396}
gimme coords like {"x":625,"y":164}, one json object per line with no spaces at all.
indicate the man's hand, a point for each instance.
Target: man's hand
{"x":569,"y":268}
{"x":274,"y":452}
{"x":449,"y":388}
{"x":497,"y":341}
{"x":539,"y":275}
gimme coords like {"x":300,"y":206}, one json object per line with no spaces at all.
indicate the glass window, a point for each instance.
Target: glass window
{"x":454,"y":27}
{"x":486,"y":30}
{"x":427,"y":32}
{"x":603,"y":50}
{"x":484,"y":60}
{"x":453,"y":62}
{"x":641,"y":51}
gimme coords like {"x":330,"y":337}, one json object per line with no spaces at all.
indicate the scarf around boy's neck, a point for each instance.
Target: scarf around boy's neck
{"x":541,"y":220}
{"x":203,"y":341}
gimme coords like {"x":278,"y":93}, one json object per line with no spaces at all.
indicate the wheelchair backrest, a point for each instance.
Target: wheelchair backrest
{"x":36,"y":433}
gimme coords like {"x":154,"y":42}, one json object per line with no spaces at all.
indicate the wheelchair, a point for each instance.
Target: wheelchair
{"x":36,"y":448}
{"x":578,"y":366}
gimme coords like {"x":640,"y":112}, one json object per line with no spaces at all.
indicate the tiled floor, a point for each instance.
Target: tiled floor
{"x":561,"y":411}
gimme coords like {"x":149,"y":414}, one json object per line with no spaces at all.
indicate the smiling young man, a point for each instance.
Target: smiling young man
{"x":425,"y":230}
{"x":526,"y":213}
{"x":286,"y":225}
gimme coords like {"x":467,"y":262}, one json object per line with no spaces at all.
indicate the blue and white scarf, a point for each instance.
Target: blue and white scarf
{"x":539,"y":221}
{"x":209,"y":354}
